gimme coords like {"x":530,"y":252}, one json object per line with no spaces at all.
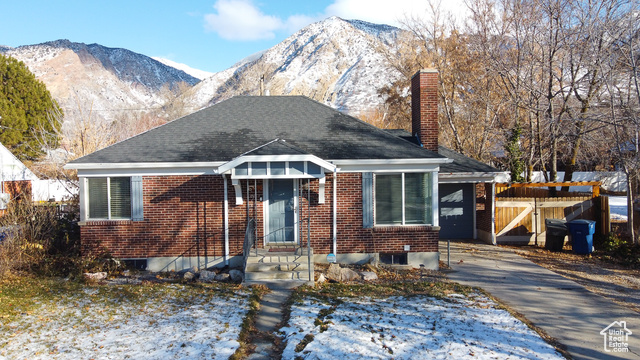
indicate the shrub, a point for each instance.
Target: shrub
{"x":40,"y":238}
{"x":620,"y":250}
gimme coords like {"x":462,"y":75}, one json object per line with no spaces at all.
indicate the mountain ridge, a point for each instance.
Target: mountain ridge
{"x":335,"y":61}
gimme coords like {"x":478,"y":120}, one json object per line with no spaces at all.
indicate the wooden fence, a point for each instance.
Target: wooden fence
{"x":521,"y":210}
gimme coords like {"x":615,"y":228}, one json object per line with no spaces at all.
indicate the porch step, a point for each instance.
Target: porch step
{"x":277,"y":265}
{"x":285,"y":249}
{"x":277,"y":275}
{"x":274,"y":258}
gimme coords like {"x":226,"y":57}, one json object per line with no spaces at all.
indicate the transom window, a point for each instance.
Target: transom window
{"x":109,"y":198}
{"x":403,"y":199}
{"x":277,"y":169}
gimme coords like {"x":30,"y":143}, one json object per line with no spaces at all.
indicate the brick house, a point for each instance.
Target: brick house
{"x":281,"y":171}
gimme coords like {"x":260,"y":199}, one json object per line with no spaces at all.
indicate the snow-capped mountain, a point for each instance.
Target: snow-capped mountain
{"x":99,"y":79}
{"x":198,"y":74}
{"x":335,"y":61}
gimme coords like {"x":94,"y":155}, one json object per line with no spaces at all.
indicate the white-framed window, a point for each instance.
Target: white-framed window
{"x":112,"y":198}
{"x":109,"y":198}
{"x":398,"y":199}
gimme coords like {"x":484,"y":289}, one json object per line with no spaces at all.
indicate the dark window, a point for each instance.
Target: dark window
{"x":394,"y":259}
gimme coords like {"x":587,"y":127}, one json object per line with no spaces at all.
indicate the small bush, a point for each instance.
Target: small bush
{"x":620,"y":250}
{"x":40,"y":239}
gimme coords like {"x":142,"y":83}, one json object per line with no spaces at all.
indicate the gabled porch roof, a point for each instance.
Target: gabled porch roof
{"x":276,"y":159}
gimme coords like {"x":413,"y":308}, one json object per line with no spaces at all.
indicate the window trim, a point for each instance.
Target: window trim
{"x":433,"y":206}
{"x":135,"y":199}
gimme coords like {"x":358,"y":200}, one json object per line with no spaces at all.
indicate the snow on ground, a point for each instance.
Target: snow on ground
{"x":417,"y":327}
{"x":173,"y":323}
{"x":618,"y":208}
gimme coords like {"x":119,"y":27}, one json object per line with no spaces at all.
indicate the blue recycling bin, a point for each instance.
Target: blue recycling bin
{"x":582,"y":235}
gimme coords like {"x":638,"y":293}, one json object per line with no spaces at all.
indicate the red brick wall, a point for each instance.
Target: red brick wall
{"x":483,"y":206}
{"x":180,"y":211}
{"x":18,"y":190}
{"x":352,"y":237}
{"x":424,"y":107}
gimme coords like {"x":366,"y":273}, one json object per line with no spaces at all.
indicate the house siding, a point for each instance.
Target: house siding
{"x":184,"y":215}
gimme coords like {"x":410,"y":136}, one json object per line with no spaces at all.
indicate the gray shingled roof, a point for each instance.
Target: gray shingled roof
{"x":463,"y":164}
{"x":243,"y":123}
{"x":277,"y":147}
{"x":460,"y":164}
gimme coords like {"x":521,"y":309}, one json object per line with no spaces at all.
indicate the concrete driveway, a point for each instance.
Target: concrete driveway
{"x":561,"y":307}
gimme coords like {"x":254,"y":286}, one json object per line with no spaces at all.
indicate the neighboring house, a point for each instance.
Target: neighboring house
{"x":16,"y":179}
{"x":302,"y":170}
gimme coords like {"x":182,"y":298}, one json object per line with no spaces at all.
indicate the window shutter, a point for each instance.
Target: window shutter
{"x":83,"y":198}
{"x":367,"y":200}
{"x":137,"y":213}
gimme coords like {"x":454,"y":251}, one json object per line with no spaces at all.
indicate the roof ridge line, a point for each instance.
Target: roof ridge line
{"x":261,"y":146}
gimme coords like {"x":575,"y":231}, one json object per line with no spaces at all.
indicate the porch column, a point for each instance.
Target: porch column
{"x":335,"y":213}
{"x":494,"y":241}
{"x":226,"y":220}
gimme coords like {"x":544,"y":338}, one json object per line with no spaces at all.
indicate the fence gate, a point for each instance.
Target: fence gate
{"x":521,"y":210}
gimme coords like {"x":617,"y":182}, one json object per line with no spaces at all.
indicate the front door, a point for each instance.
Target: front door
{"x":282,"y":204}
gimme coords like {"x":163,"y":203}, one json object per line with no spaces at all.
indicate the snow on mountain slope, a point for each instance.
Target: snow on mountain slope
{"x":335,"y":61}
{"x":105,"y":81}
{"x":198,"y":74}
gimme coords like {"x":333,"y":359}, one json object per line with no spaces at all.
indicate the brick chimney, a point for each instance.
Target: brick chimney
{"x":424,"y":108}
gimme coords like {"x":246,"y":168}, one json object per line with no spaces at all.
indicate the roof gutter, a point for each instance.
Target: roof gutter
{"x":158,"y":165}
{"x":460,"y":177}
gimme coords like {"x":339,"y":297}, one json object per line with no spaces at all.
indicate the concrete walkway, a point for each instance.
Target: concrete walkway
{"x":563,"y":309}
{"x":269,"y":315}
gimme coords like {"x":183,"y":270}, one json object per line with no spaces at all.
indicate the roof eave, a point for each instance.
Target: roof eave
{"x":458,"y":177}
{"x":141,"y":165}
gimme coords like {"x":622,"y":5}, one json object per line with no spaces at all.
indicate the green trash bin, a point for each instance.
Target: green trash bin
{"x":556,"y":232}
{"x":582,"y":235}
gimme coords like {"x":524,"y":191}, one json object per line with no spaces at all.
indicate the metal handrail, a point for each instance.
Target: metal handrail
{"x":249,"y":241}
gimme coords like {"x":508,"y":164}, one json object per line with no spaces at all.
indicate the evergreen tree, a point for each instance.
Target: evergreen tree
{"x":27,"y":111}
{"x":515,"y":154}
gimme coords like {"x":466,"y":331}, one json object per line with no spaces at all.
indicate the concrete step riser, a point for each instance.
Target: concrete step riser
{"x":267,"y":267}
{"x":277,"y":259}
{"x":262,"y":267}
{"x":280,"y":275}
{"x":294,"y":267}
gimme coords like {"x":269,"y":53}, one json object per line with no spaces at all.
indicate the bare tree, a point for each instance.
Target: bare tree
{"x":593,"y":27}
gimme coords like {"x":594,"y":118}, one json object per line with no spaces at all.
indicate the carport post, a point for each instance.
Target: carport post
{"x":449,"y":253}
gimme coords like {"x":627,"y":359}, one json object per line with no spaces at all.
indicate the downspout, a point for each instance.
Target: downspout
{"x":335,"y":212}
{"x":226,"y":222}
